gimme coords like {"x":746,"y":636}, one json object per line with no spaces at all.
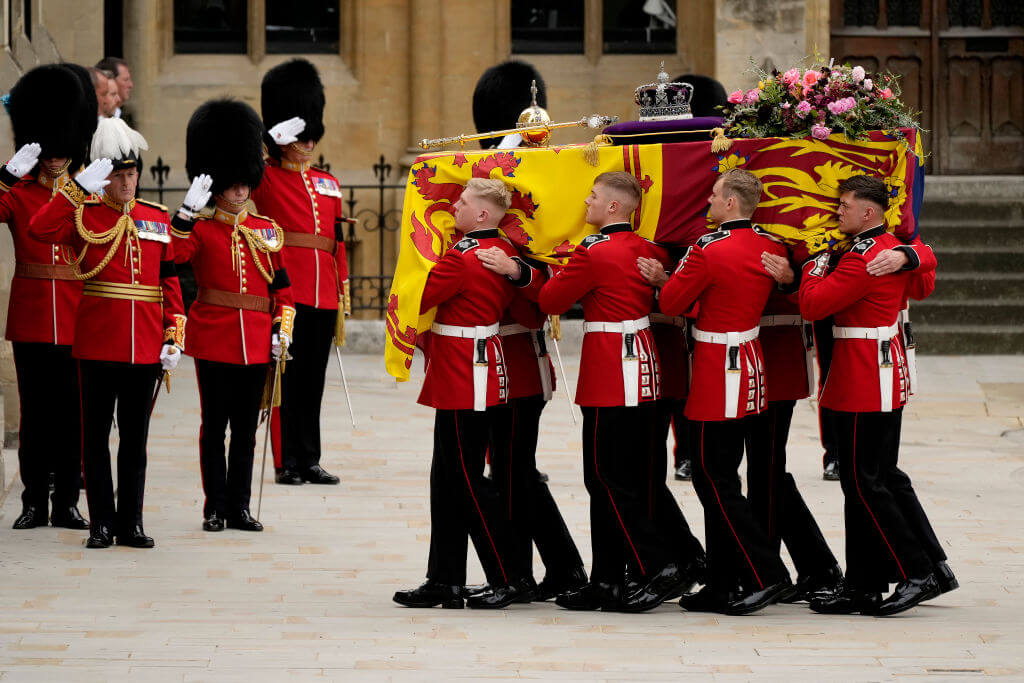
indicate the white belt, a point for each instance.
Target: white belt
{"x":910,"y":346}
{"x":536,"y":336}
{"x":733,"y":373}
{"x":883,"y":337}
{"x":780,"y":320}
{"x":477,"y":356}
{"x":662,"y":319}
{"x":630,"y":359}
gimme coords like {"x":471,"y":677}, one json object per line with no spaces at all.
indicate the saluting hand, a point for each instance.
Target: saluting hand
{"x":652,"y":270}
{"x":24,"y":159}
{"x":199,"y":193}
{"x":287,"y":132}
{"x":496,"y":260}
{"x":778,"y":267}
{"x":93,"y":177}
{"x":887,"y":261}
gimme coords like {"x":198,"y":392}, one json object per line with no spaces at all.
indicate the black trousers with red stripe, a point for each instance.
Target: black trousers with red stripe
{"x":616,"y":447}
{"x":228,"y":394}
{"x":526,"y":501}
{"x":464,"y":504}
{"x":48,"y":388}
{"x":681,"y":433}
{"x":888,"y":535}
{"x":662,"y":507}
{"x":773,"y":494}
{"x":739,"y":551}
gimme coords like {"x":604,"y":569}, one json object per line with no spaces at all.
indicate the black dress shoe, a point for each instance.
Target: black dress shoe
{"x":592,"y":596}
{"x":847,"y":600}
{"x":670,"y":582}
{"x":944,"y":578}
{"x":552,"y":586}
{"x":908,"y":594}
{"x":318,"y":475}
{"x":135,"y":538}
{"x":499,"y":597}
{"x":245,"y":521}
{"x":708,"y":599}
{"x":213,"y":523}
{"x":831,"y":472}
{"x":69,"y":519}
{"x":475,"y":589}
{"x":288,"y":478}
{"x":100,"y":536}
{"x":30,"y":518}
{"x":685,"y":471}
{"x":431,"y":594}
{"x":759,"y":599}
{"x":811,"y":586}
{"x":542,"y":477}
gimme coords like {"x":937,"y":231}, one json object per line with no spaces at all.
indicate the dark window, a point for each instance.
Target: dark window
{"x":860,"y":13}
{"x":547,"y":27}
{"x":1007,"y":13}
{"x":302,"y":27}
{"x":210,"y":26}
{"x":903,"y":12}
{"x":639,"y":26}
{"x":965,"y":12}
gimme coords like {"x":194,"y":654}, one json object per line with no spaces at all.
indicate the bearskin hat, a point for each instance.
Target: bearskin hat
{"x":707,"y":94}
{"x":293,"y":89}
{"x":501,"y":94}
{"x":224,"y":141}
{"x":116,"y":140}
{"x":50,"y":105}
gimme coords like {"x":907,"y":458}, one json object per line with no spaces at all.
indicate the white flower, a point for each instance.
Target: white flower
{"x":858,"y":74}
{"x":867,"y":84}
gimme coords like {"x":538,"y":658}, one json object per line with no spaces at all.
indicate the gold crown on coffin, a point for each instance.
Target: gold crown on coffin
{"x":664,"y":101}
{"x":532,"y":116}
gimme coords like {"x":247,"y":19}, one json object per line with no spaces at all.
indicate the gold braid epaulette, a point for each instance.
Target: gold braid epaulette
{"x":115,"y":234}
{"x":74,"y":192}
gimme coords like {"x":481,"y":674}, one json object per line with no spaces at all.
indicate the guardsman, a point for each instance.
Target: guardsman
{"x":886,"y":529}
{"x":243,"y":313}
{"x":306,"y":202}
{"x":130,"y":322}
{"x":617,"y":389}
{"x":52,"y":137}
{"x":466,"y":375}
{"x":723,"y":272}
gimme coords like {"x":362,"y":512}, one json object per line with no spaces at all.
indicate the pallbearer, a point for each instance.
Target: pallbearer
{"x":243,"y":313}
{"x":130,"y":321}
{"x":53,"y":119}
{"x":306,"y":203}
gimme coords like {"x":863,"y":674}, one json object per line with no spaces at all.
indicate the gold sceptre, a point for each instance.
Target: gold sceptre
{"x":595,"y":121}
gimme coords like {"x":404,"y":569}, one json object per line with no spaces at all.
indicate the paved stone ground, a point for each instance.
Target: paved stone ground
{"x":311,"y":597}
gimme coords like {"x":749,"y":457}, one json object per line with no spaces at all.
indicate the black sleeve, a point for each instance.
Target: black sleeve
{"x":339,"y":230}
{"x":280,"y":280}
{"x":7,"y":179}
{"x":168,"y":270}
{"x":180,"y":224}
{"x":913,"y":260}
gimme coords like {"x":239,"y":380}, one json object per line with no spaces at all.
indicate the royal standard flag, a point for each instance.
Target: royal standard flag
{"x":546,"y":220}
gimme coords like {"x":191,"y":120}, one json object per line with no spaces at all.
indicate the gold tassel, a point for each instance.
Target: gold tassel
{"x":268,"y":402}
{"x":339,"y":324}
{"x":556,"y":328}
{"x":720,"y":143}
{"x":591,"y":153}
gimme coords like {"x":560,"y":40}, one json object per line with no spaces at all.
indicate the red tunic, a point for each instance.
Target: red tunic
{"x":466,"y":295}
{"x":40,"y":309}
{"x":858,"y":299}
{"x":524,"y":378}
{"x":673,"y":354}
{"x":785,"y":358}
{"x":723,"y":272}
{"x":602,"y":274}
{"x":107,"y":327}
{"x":303,"y":199}
{"x":222,"y":260}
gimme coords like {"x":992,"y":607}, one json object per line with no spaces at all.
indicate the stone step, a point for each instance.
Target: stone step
{"x":989,"y":211}
{"x":987,"y":259}
{"x":933,"y":311}
{"x":959,"y":234}
{"x":969,"y":339}
{"x":978,"y":286}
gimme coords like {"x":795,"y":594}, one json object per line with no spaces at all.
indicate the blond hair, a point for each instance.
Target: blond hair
{"x":623,"y":183}
{"x":743,"y":185}
{"x":492,"y":190}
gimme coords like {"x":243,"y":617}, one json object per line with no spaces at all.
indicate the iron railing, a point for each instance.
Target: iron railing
{"x":369,"y":290}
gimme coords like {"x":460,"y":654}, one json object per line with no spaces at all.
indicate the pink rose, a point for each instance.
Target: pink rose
{"x":785,"y":105}
{"x":886,"y":93}
{"x":858,"y":74}
{"x":835,"y":107}
{"x":752,"y":96}
{"x":790,"y":77}
{"x":803,"y":109}
{"x":736,"y":96}
{"x":820,"y":132}
{"x":810,"y":78}
{"x":868,"y":85}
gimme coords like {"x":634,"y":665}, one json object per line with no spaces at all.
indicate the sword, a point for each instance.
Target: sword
{"x":565,"y":382}
{"x":165,"y":378}
{"x":266,"y":434}
{"x":344,"y":383}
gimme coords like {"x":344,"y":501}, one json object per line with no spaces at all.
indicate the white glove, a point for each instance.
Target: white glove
{"x":93,"y":177}
{"x":199,"y":194}
{"x":169,"y":357}
{"x":279,"y":344}
{"x":286,"y":132}
{"x":24,"y":159}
